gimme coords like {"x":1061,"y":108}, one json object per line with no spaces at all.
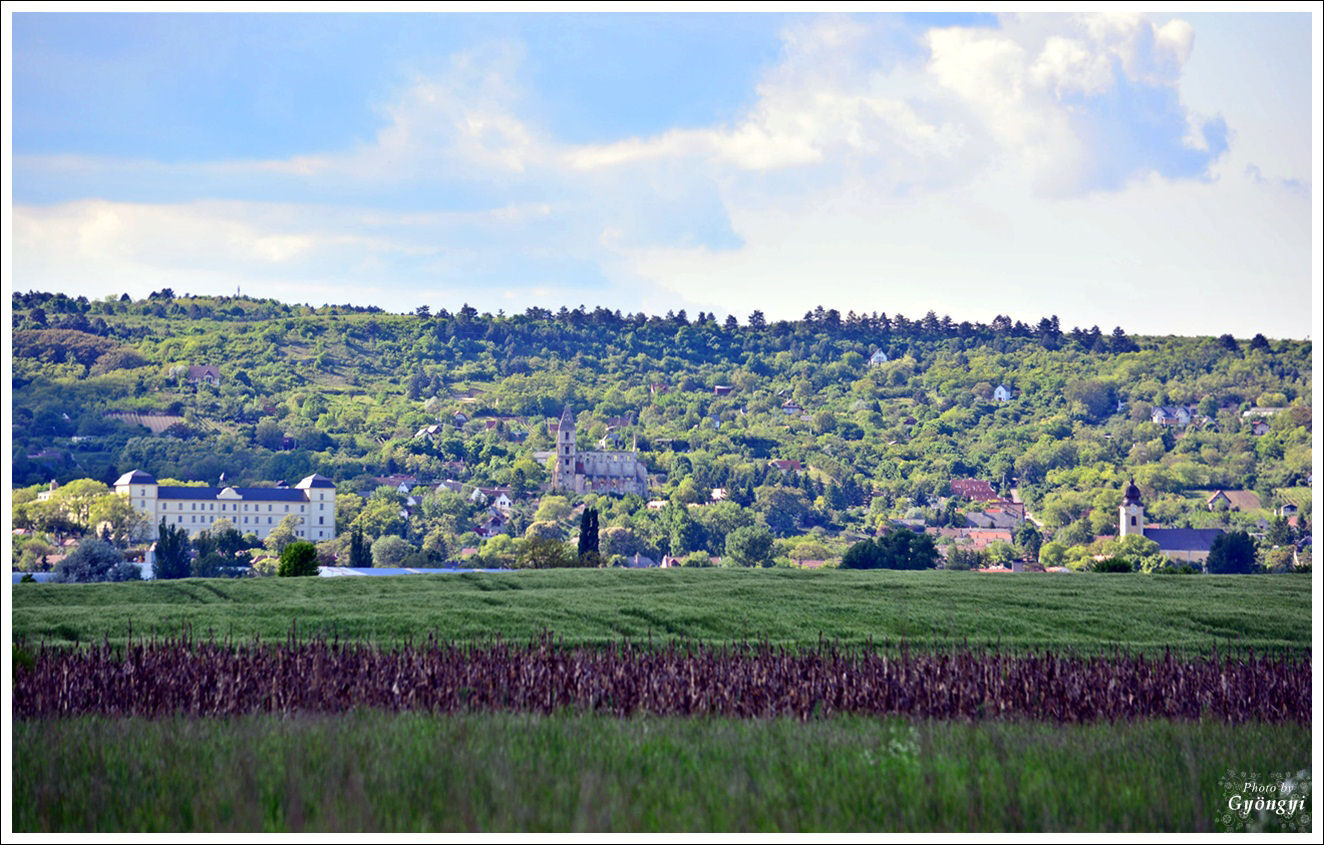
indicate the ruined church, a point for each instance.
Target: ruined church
{"x":595,"y":472}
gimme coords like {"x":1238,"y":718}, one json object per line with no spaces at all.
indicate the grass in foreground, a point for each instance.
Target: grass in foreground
{"x":1081,"y":611}
{"x":494,"y":772}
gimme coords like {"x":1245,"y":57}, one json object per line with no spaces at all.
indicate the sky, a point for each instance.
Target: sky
{"x":1153,"y":171}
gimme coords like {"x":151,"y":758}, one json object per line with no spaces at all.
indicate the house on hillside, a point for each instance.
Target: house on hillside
{"x":974,"y":489}
{"x":790,"y":407}
{"x":1002,"y":393}
{"x":429,"y":432}
{"x":879,"y":357}
{"x":204,"y":374}
{"x":992,"y":519}
{"x":1236,"y":500}
{"x":1259,"y":428}
{"x":494,"y":524}
{"x":402,"y":483}
{"x":1178,"y":416}
{"x":495,"y":497}
{"x":786,"y":465}
{"x":721,"y":390}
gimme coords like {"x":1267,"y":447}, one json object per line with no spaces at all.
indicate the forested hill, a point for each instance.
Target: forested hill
{"x":343,"y":391}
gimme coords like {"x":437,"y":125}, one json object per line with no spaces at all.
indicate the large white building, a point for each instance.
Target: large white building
{"x":250,"y":509}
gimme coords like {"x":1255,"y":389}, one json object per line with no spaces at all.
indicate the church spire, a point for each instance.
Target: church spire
{"x":567,"y":418}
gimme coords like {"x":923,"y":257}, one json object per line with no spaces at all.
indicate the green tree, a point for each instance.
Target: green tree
{"x":298,"y":559}
{"x":359,"y":555}
{"x":901,"y":549}
{"x":116,"y":516}
{"x":222,"y":552}
{"x":808,"y":548}
{"x":95,"y":560}
{"x":1029,"y":539}
{"x":283,"y":534}
{"x":783,"y":508}
{"x":391,"y":551}
{"x":546,"y":553}
{"x":749,"y":546}
{"x":553,"y":508}
{"x":1232,"y":552}
{"x":172,"y":552}
{"x":588,"y":532}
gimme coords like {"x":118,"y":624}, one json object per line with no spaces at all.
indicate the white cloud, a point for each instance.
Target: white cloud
{"x":1050,"y":162}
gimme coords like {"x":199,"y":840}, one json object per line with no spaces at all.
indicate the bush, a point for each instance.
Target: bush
{"x":95,"y":560}
{"x":1113,"y":564}
{"x":697,"y":559}
{"x":901,"y":549}
{"x":298,"y":559}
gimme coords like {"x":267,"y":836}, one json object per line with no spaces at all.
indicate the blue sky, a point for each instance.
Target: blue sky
{"x":1152,"y":171}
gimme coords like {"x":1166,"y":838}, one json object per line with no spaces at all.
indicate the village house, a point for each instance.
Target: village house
{"x":495,"y":497}
{"x":992,"y":519}
{"x":204,"y":374}
{"x":258,"y":510}
{"x":429,"y":431}
{"x":1179,"y":416}
{"x":1236,"y":500}
{"x":974,"y":489}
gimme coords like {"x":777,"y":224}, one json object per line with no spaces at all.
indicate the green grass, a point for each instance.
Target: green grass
{"x":1026,"y":611}
{"x":503,"y":772}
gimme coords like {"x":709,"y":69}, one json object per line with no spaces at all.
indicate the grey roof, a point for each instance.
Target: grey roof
{"x":991,"y":520}
{"x":1183,"y":539}
{"x":315,"y":480}
{"x":135,"y":477}
{"x":263,"y":494}
{"x":567,"y":418}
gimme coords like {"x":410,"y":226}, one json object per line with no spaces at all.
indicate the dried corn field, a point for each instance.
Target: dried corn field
{"x":748,"y":680}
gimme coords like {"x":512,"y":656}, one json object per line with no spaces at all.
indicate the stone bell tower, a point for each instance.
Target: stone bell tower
{"x":1131,"y":515}
{"x":563,"y":478}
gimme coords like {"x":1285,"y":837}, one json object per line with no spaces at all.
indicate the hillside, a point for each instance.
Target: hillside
{"x":343,"y":391}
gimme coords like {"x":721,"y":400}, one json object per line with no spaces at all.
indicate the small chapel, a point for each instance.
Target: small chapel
{"x":1186,"y":545}
{"x":618,"y":471}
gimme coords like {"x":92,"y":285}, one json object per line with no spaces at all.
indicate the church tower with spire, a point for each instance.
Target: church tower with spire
{"x":564,"y":476}
{"x":1131,"y":515}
